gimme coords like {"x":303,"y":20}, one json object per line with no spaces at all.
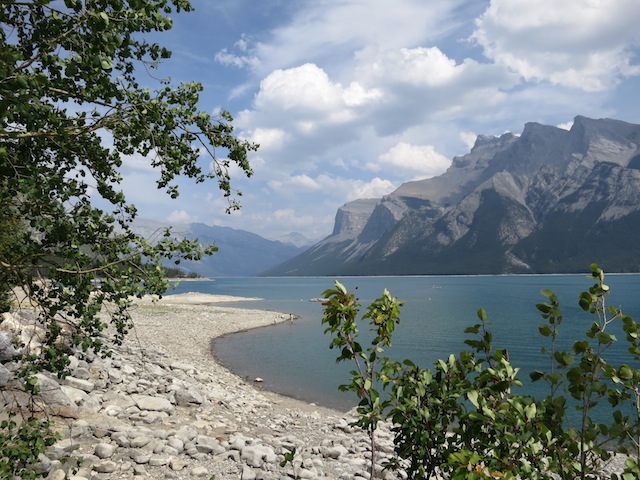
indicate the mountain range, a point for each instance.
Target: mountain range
{"x":549,"y":200}
{"x":240,"y":253}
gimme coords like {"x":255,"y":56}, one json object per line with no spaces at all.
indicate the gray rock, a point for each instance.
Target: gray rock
{"x":61,"y":448}
{"x":309,"y":473}
{"x":248,"y":473}
{"x":159,"y":460}
{"x":79,"y":383}
{"x":51,"y":393}
{"x":121,"y":439}
{"x":176,"y":443}
{"x":237,"y":442}
{"x":57,"y":474}
{"x":140,"y":441}
{"x":128,"y":370}
{"x":177,"y":465}
{"x":7,"y":349}
{"x":199,"y":472}
{"x":154,"y":370}
{"x":118,"y":399}
{"x":74,"y":363}
{"x":5,"y":376}
{"x":156,"y":404}
{"x":334,"y":452}
{"x":141,"y":458}
{"x":140,"y":470}
{"x":209,"y":445}
{"x":82,"y":373}
{"x":185,"y":367}
{"x":115,"y":375}
{"x":186,"y":433}
{"x":76,"y":395}
{"x":91,"y":403}
{"x":186,"y":397}
{"x":104,"y":450}
{"x":258,"y":455}
{"x":151,"y":417}
{"x":170,"y":451}
{"x":105,"y":466}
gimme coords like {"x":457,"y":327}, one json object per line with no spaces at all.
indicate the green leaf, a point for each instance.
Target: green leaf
{"x":536,"y":375}
{"x":605,"y":338}
{"x":545,"y":330}
{"x":530,"y":411}
{"x":473,"y":398}
{"x":580,"y":347}
{"x":625,"y":372}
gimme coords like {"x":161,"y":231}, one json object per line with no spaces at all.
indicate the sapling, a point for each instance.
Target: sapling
{"x":371,"y":367}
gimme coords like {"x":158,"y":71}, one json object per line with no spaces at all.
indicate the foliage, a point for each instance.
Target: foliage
{"x":466,"y":417}
{"x":21,"y":444}
{"x":77,"y":99}
{"x":9,"y":225}
{"x":72,"y":108}
{"x":340,"y":315}
{"x":6,"y":299}
{"x":288,"y":459}
{"x":172,"y":272}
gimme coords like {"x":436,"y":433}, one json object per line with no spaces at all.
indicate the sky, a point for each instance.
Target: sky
{"x":351,"y":98}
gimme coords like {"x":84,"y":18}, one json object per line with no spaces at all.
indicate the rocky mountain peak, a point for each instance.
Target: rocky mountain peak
{"x":617,"y":142}
{"x":549,"y":200}
{"x":352,"y":217}
{"x":484,"y":148}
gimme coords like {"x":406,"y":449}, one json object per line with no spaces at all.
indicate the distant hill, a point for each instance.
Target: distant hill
{"x":547,"y":201}
{"x":240,"y":253}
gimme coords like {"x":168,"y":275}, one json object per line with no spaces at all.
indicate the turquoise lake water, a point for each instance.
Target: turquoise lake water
{"x":293,"y":358}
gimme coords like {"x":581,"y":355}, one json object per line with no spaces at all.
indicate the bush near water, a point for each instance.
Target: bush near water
{"x":465,"y":419}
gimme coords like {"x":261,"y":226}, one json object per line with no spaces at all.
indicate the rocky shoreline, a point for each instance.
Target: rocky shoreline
{"x":162,"y":407}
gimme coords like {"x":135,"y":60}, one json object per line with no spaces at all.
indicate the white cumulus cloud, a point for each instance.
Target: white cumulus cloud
{"x":308,"y":89}
{"x":415,"y":161}
{"x":584,"y":44}
{"x":375,"y":188}
{"x":469,"y":139}
{"x":181,"y":216}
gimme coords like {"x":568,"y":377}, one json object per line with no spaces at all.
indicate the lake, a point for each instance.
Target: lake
{"x":293,"y":358}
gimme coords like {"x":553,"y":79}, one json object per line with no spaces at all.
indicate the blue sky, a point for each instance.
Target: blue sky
{"x":350,"y":98}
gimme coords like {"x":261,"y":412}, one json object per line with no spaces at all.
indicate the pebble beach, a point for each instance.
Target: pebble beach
{"x":163,"y":407}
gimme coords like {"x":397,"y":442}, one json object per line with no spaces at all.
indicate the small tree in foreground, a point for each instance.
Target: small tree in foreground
{"x":467,"y":418}
{"x":74,"y":104}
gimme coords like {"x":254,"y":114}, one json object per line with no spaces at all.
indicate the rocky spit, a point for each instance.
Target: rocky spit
{"x":162,"y":407}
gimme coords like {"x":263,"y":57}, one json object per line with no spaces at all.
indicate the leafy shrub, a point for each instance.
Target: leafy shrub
{"x":21,"y":444}
{"x":5,"y":298}
{"x":465,"y":418}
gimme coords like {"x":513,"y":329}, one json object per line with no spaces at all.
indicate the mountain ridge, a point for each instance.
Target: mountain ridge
{"x":240,"y":253}
{"x":546,"y":201}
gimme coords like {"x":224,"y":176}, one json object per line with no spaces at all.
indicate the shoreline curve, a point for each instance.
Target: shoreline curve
{"x":185,"y":325}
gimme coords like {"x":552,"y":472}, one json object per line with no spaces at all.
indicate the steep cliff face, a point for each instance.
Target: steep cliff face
{"x":549,"y":200}
{"x":351,"y":219}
